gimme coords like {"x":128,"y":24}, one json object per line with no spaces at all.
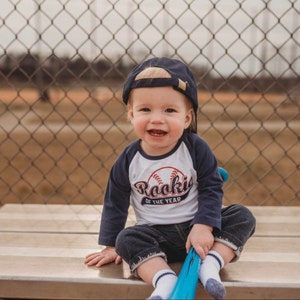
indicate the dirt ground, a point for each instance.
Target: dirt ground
{"x":62,"y":151}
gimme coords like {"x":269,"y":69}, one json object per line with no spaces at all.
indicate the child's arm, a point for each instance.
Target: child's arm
{"x":101,"y":258}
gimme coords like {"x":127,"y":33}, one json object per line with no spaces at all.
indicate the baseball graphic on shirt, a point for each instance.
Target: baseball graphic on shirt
{"x":165,"y":175}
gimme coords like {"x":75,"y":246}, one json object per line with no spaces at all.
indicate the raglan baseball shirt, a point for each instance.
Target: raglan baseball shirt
{"x":182,"y":185}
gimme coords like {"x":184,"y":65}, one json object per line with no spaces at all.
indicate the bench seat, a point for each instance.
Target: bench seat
{"x":42,"y":249}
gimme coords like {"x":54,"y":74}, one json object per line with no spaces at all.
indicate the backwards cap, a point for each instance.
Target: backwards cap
{"x":181,"y":79}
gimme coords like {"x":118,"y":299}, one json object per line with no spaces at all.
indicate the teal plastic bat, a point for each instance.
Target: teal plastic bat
{"x":187,"y":281}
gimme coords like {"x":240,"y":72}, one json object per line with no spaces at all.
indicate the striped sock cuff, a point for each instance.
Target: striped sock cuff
{"x":161,"y":274}
{"x":218,"y":257}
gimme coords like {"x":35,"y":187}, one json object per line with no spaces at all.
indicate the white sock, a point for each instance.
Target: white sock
{"x":209,"y":275}
{"x":163,"y":283}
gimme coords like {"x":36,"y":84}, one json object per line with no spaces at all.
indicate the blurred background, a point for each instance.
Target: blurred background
{"x":62,"y":68}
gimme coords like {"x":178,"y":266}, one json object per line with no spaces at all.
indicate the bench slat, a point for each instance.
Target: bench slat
{"x":70,"y":273}
{"x":262,"y":229}
{"x":86,"y":219}
{"x":36,"y":243}
{"x":80,"y":209}
{"x":125,"y":290}
{"x":53,"y":218}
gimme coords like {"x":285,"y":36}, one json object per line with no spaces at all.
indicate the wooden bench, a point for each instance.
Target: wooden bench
{"x":42,"y":249}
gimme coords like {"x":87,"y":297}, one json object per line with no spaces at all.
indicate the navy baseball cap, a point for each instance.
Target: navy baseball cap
{"x":181,"y":79}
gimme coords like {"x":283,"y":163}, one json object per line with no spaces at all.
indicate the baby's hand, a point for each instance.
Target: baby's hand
{"x":106,"y":256}
{"x":201,"y":238}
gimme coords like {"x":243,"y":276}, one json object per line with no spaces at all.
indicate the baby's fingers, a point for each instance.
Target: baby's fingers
{"x":201,"y":252}
{"x":93,"y":260}
{"x":91,"y":257}
{"x":101,"y":261}
{"x":118,"y":260}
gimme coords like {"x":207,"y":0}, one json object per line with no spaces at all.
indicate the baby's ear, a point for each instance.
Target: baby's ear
{"x":188,"y":118}
{"x":129,"y":112}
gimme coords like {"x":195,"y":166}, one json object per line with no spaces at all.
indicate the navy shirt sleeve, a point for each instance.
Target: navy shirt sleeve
{"x":117,"y":198}
{"x":209,"y":182}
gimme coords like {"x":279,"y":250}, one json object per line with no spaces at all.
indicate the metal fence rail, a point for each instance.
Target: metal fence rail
{"x":63,"y":63}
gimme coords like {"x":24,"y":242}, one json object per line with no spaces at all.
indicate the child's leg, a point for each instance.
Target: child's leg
{"x":157,"y":272}
{"x":139,"y":247}
{"x":216,"y":259}
{"x":238,"y":225}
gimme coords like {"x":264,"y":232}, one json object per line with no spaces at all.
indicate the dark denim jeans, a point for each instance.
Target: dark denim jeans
{"x":139,"y":243}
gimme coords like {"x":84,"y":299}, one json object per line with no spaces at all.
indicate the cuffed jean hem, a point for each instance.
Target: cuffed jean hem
{"x":238,"y":224}
{"x":237,"y":250}
{"x":142,"y":260}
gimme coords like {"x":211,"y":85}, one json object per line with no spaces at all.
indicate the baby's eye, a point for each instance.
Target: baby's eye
{"x":170,"y":110}
{"x":145,"y":109}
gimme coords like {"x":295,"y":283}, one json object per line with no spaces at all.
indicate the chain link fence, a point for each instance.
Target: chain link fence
{"x":63,"y":63}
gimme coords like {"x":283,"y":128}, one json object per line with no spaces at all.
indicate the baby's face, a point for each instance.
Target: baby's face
{"x":159,"y":116}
